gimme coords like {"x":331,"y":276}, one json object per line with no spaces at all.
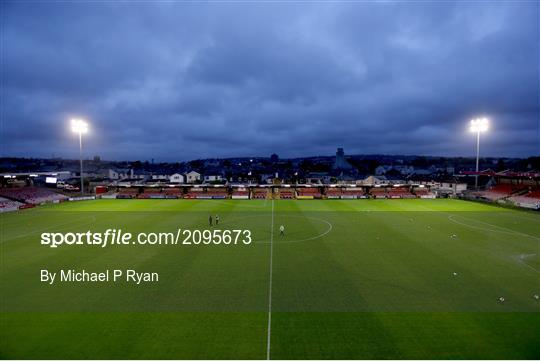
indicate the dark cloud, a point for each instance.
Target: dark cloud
{"x":176,"y":81}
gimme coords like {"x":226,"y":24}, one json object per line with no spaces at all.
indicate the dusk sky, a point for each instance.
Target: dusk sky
{"x":177,"y":81}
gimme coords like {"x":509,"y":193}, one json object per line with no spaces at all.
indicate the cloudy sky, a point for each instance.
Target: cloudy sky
{"x":183,"y":80}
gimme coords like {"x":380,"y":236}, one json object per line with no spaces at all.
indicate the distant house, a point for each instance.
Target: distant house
{"x":193,"y":177}
{"x":176,"y":178}
{"x":119,"y":173}
{"x":394,"y":179}
{"x":159,"y":177}
{"x":140,"y":174}
{"x":374,"y":180}
{"x":401,"y":169}
{"x":213,"y":178}
{"x":318,"y":177}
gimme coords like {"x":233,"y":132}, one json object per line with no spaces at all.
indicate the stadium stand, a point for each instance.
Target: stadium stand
{"x":400,"y":192}
{"x":352,"y":193}
{"x":7,"y":205}
{"x":240,"y":193}
{"x":534,"y":194}
{"x":172,"y":193}
{"x":378,"y":192}
{"x":193,"y":193}
{"x":497,"y":192}
{"x":391,"y":192}
{"x":210,"y":193}
{"x":32,"y":195}
{"x":333,"y":193}
{"x":259,"y":193}
{"x":422,"y":192}
{"x":217,"y":193}
{"x":345,"y":193}
{"x":127,"y":193}
{"x":111,"y":194}
{"x":151,"y":193}
{"x":308,"y":193}
{"x":529,"y":200}
{"x":286,"y":193}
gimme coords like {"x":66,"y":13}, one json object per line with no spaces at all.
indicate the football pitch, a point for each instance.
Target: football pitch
{"x":348,"y":279}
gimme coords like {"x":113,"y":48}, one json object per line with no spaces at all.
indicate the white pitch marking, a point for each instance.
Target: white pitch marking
{"x":330,"y":227}
{"x":269,"y":332}
{"x":58,"y":227}
{"x":521,"y":260}
{"x":499,"y":230}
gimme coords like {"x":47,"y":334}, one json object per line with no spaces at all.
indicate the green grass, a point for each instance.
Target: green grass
{"x":350,"y":279}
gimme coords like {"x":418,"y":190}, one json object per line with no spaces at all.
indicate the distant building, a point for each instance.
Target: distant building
{"x":213,"y":178}
{"x":193,"y":177}
{"x":402,"y":169}
{"x":341,"y":162}
{"x":317,"y":178}
{"x":374,"y":180}
{"x":159,"y":177}
{"x":119,"y":173}
{"x":176,"y":178}
{"x":140,"y":174}
{"x":274,"y":158}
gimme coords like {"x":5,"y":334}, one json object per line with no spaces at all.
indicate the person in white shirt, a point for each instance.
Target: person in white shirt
{"x":281,"y":230}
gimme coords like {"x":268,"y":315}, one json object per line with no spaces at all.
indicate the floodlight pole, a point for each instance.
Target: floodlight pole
{"x":478,"y":125}
{"x":477,"y":159}
{"x":79,"y":126}
{"x":80,"y":158}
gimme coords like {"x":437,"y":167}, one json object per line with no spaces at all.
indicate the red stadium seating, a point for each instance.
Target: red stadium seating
{"x":126,"y":193}
{"x":497,"y":192}
{"x":151,"y":193}
{"x":286,"y":193}
{"x":391,"y":192}
{"x":309,"y":193}
{"x":240,"y":193}
{"x":172,"y":191}
{"x":334,"y":193}
{"x":259,"y":193}
{"x":534,"y":194}
{"x":32,"y":195}
{"x":7,"y":205}
{"x":210,"y":193}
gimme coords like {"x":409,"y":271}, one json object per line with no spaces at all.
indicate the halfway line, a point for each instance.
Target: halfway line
{"x":269,"y":332}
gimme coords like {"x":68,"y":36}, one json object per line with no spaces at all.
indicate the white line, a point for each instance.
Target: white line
{"x":330,"y":227}
{"x":500,"y":229}
{"x":269,"y":332}
{"x":528,"y":265}
{"x":57,"y":227}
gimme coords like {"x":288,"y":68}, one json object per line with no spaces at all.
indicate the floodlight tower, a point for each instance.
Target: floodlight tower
{"x":478,"y":125}
{"x":81,"y":127}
